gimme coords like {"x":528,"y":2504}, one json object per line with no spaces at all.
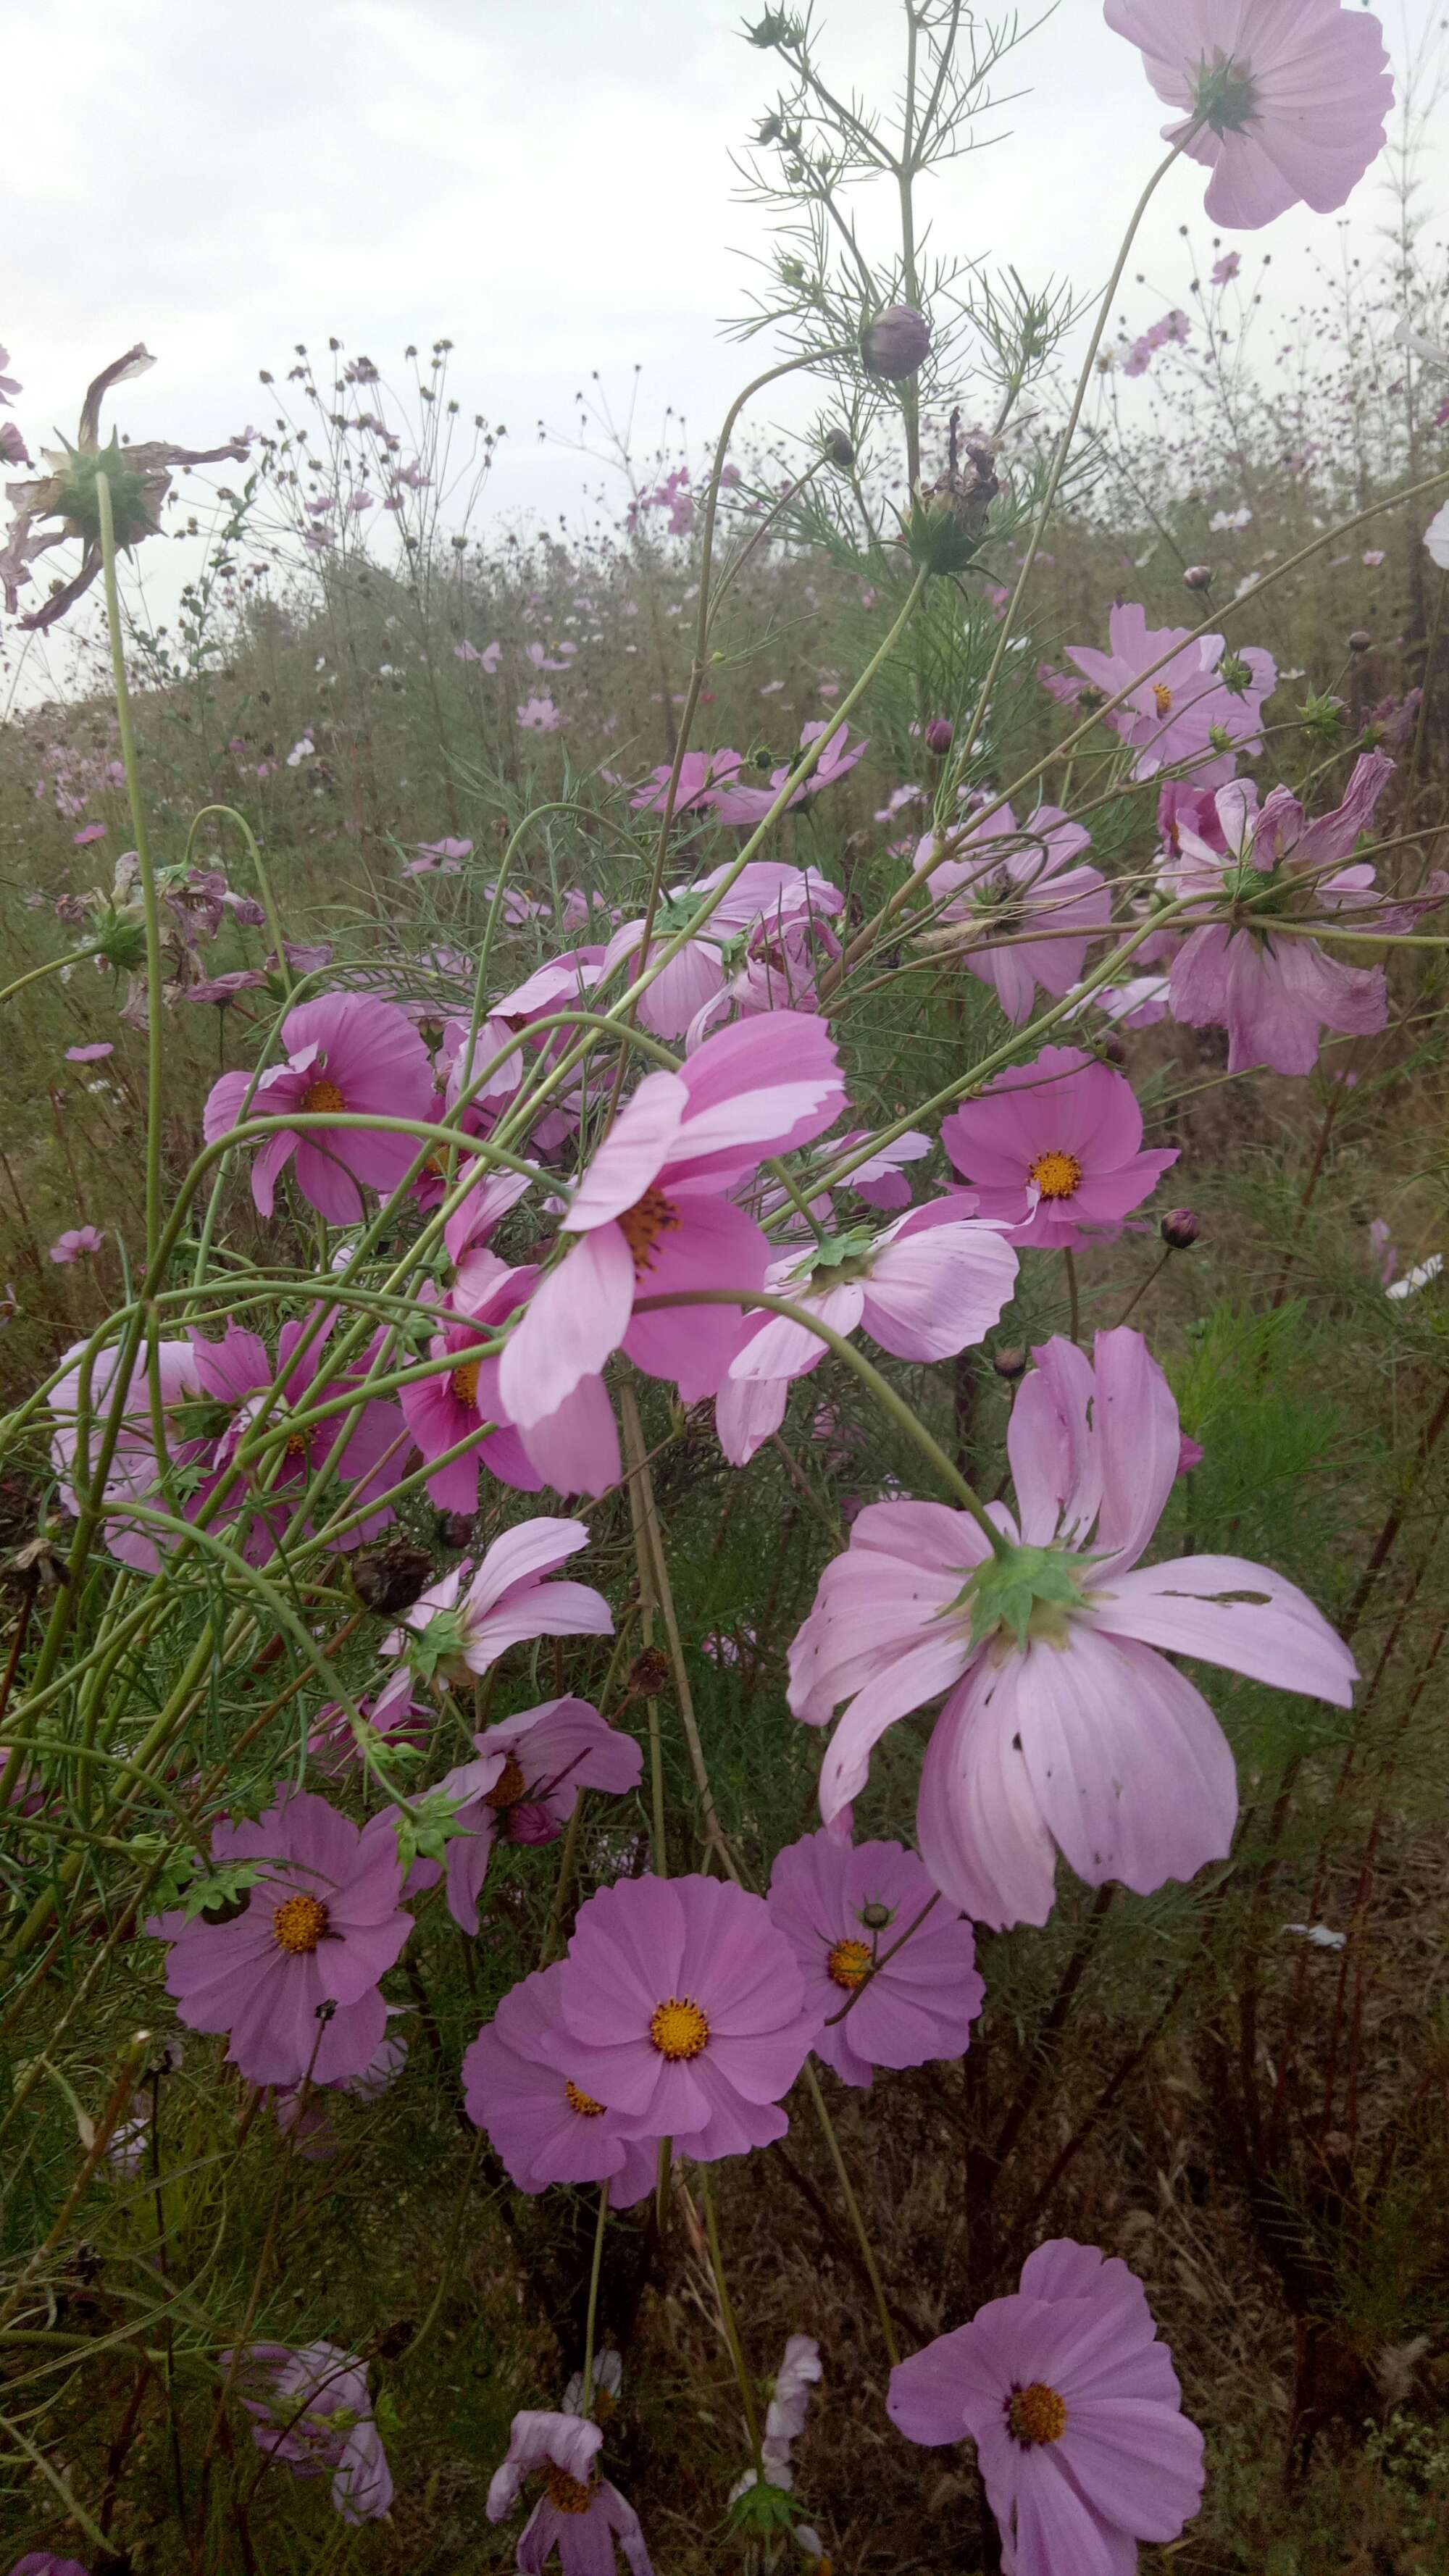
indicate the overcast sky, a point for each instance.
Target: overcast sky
{"x":549,"y":185}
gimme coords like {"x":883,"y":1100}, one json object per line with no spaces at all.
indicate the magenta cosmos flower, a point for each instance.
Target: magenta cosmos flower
{"x":1066,"y":1726}
{"x":1275,"y":995}
{"x":1010,"y":880}
{"x":688,"y":2013}
{"x":930,"y":1285}
{"x":440,"y":1411}
{"x":320,"y":1927}
{"x":468,"y":1619}
{"x":311,"y":2408}
{"x":518,"y":2084}
{"x":1285,"y":101}
{"x":524,"y":1785}
{"x":575,"y":1448}
{"x":768,"y":892}
{"x":346,"y":1052}
{"x":852,"y":1915}
{"x":1075,"y":2411}
{"x":579,"y":2514}
{"x":236,"y":1377}
{"x":653,"y":1216}
{"x":1055,"y":1149}
{"x":1203,"y":700}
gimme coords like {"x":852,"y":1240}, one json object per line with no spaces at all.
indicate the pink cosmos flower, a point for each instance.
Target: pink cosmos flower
{"x":394,"y":1712}
{"x":1055,"y":1149}
{"x":932,"y":1284}
{"x":524,"y":1786}
{"x":1203,"y":691}
{"x":467,"y":1620}
{"x":1285,"y":101}
{"x":1227,"y":268}
{"x":579,"y":2513}
{"x":1075,"y":2411}
{"x":688,"y":2013}
{"x":699,"y":773}
{"x":780,"y":961}
{"x":78,"y":1245}
{"x":311,"y":2408}
{"x":440,"y":1411}
{"x":135,"y":1473}
{"x":768,"y":893}
{"x":90,"y":1054}
{"x":539,"y":715}
{"x":843,"y":1909}
{"x":44,"y":2562}
{"x":576,"y":1447}
{"x":234,"y":1377}
{"x":1066,"y":1725}
{"x":741,"y":804}
{"x":320,"y":1926}
{"x":1027,"y":883}
{"x":345,"y":1052}
{"x":881,"y":1181}
{"x":518,"y":2085}
{"x":1275,"y":996}
{"x":653,"y":1216}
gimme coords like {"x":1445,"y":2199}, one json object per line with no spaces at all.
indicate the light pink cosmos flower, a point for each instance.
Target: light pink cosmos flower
{"x":1285,"y":101}
{"x":235,"y":1377}
{"x":742,"y":804}
{"x":320,"y":1926}
{"x":394,"y":1712}
{"x":95,"y":1054}
{"x":688,"y":2013}
{"x":1055,"y":1149}
{"x":1203,"y":691}
{"x":539,"y":715}
{"x":881,"y":1181}
{"x":467,"y":1620}
{"x":768,"y":892}
{"x":653,"y":1216}
{"x":311,"y":2408}
{"x":1075,"y":2411}
{"x":78,"y":1245}
{"x":345,"y":1052}
{"x":576,"y":1447}
{"x":518,"y":2085}
{"x":1012,"y":879}
{"x":843,"y":1909}
{"x":524,"y":1785}
{"x":1275,"y":996}
{"x":1066,"y":1725}
{"x":579,"y":2513}
{"x":932,"y":1284}
{"x":699,"y":773}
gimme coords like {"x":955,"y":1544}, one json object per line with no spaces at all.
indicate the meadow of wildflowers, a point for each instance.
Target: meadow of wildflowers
{"x":721,"y":1737}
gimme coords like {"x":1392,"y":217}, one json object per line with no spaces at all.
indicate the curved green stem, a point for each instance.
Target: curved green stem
{"x":150,"y":905}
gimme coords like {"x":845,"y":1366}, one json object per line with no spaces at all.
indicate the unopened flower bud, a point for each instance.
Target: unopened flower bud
{"x":876,"y":1916}
{"x":894,"y":345}
{"x":940,"y":734}
{"x":840,"y":452}
{"x":389,"y":1577}
{"x":1180,"y":1229}
{"x":455,"y":1529}
{"x":1360,"y":641}
{"x":1197,"y":577}
{"x":1011,"y":1363}
{"x":531,"y":1822}
{"x":649,"y":1673}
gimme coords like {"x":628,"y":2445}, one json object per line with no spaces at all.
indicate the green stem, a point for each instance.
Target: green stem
{"x":52,"y":966}
{"x":586,"y":2393}
{"x":727,"y":2320}
{"x":150,"y":906}
{"x":847,"y":2193}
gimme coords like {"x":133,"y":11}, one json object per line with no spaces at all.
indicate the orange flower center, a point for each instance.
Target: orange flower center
{"x":642,"y":1225}
{"x":850,"y":1964}
{"x":1163,"y":697}
{"x":582,"y":2102}
{"x":464,"y":1382}
{"x":299,"y":1923}
{"x":566,"y":2494}
{"x":679,"y":2028}
{"x":509,"y":1786}
{"x":1057,"y":1175}
{"x":320,"y":1096}
{"x":1037,"y":2414}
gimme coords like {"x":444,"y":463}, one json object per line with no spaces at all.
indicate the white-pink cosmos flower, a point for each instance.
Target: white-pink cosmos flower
{"x":470,"y":1618}
{"x":1012,"y":880}
{"x":1066,"y":1727}
{"x":932,"y":1284}
{"x":652,"y":1216}
{"x":1285,"y":101}
{"x":768,"y":891}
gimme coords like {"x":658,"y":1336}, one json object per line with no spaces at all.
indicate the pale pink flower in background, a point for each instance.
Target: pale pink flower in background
{"x":1011,"y":879}
{"x":539,"y":715}
{"x":579,"y":2513}
{"x":1201,"y":690}
{"x":653,"y":1215}
{"x":78,"y":1244}
{"x":523,"y":1785}
{"x":881,"y":1182}
{"x":1066,"y":1726}
{"x":742,"y":804}
{"x":1285,"y":101}
{"x":1227,"y":268}
{"x":1075,"y":2411}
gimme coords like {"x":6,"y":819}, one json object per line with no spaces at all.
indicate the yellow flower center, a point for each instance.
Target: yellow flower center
{"x":509,"y":1786}
{"x":679,"y":2028}
{"x":1163,"y":697}
{"x":642,"y":1225}
{"x":566,"y":2494}
{"x":320,"y":1096}
{"x":299,"y":1923}
{"x":582,"y":2102}
{"x":1037,"y":2414}
{"x":1057,"y":1175}
{"x":464,"y":1382}
{"x":850,"y":1964}
{"x":298,"y":1445}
